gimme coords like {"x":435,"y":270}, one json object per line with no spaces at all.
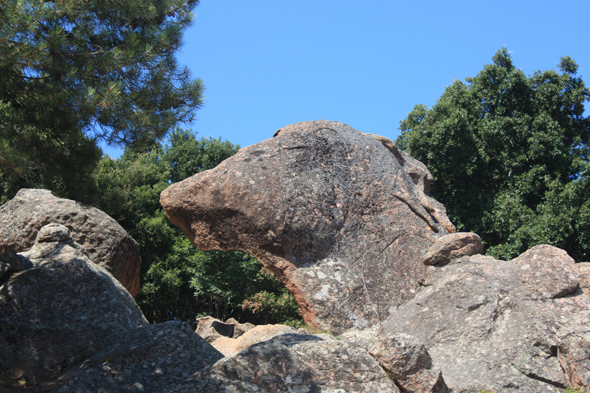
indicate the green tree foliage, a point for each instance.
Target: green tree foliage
{"x":188,"y":284}
{"x":178,"y":281}
{"x":509,"y":154}
{"x":75,"y":72}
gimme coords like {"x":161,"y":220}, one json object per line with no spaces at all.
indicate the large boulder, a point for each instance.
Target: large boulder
{"x":107,"y":243}
{"x":292,"y":363}
{"x":403,"y":357}
{"x":341,"y":217}
{"x":56,"y":306}
{"x":496,"y":325}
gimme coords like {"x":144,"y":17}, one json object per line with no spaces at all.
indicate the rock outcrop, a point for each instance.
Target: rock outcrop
{"x":107,"y":243}
{"x":149,"y":359}
{"x":574,"y":350}
{"x":66,"y":325}
{"x":55,"y":307}
{"x":407,"y":362}
{"x":496,"y":325}
{"x":296,"y":364}
{"x":403,"y":357}
{"x":341,"y":217}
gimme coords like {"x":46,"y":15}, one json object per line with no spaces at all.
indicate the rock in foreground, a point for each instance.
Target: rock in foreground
{"x":341,"y":217}
{"x":57,"y":307}
{"x":495,"y":325}
{"x":295,"y":364}
{"x":147,"y":359}
{"x":107,"y":243}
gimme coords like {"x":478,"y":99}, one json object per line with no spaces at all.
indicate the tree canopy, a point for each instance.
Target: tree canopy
{"x":509,"y":155}
{"x":78,"y":72}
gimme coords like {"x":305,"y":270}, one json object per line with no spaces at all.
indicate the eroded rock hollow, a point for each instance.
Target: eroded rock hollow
{"x":341,"y":217}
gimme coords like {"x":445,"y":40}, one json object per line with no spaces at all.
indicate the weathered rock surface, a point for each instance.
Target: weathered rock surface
{"x":406,"y":361}
{"x":420,"y":175}
{"x":58,"y":306}
{"x":584,"y":276}
{"x":11,"y":262}
{"x":206,"y":330}
{"x":107,"y":243}
{"x":336,"y":214}
{"x":293,"y":364}
{"x":453,"y":246}
{"x":260,"y":333}
{"x":574,"y":350}
{"x":493,"y":325}
{"x":147,"y":359}
{"x":403,"y":357}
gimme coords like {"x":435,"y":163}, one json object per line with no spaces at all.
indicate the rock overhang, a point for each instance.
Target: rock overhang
{"x":340,"y":216}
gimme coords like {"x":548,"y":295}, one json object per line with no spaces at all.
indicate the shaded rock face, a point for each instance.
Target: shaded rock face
{"x":493,"y":325}
{"x":59,"y":305}
{"x":339,"y":217}
{"x":294,"y":364}
{"x":107,"y":243}
{"x":11,"y":262}
{"x":147,"y":359}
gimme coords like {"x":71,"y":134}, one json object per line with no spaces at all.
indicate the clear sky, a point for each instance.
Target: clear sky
{"x":270,"y":63}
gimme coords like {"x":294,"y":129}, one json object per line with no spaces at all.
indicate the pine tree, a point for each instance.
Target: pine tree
{"x":73,"y":73}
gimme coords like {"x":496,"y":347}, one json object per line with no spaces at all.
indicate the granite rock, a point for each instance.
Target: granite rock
{"x":211,"y":328}
{"x":574,"y":350}
{"x":11,"y":262}
{"x":107,"y":243}
{"x":292,"y":363}
{"x":57,"y":307}
{"x":584,"y":275}
{"x":240,"y":328}
{"x":339,"y":217}
{"x":260,"y":333}
{"x":403,"y":357}
{"x":147,"y":359}
{"x":408,"y":363}
{"x":493,"y":325}
{"x":453,"y":246}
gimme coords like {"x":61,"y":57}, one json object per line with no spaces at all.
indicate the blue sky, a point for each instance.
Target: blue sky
{"x":270,"y":63}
